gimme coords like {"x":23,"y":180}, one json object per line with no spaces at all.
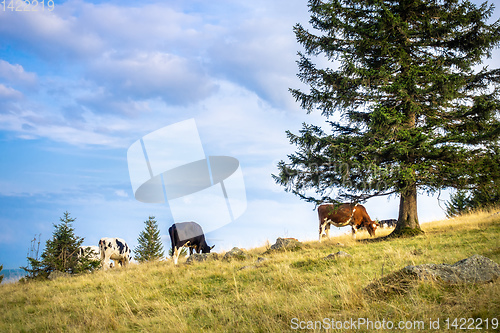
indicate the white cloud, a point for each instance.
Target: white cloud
{"x":121,"y":193}
{"x":146,"y":75}
{"x":8,"y":93}
{"x":16,"y":73}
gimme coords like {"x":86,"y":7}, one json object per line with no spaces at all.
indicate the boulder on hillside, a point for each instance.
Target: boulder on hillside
{"x":288,"y":244}
{"x":475,"y":269}
{"x":235,"y":253}
{"x":199,"y":257}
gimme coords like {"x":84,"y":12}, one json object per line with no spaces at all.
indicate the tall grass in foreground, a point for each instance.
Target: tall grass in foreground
{"x":290,"y":289}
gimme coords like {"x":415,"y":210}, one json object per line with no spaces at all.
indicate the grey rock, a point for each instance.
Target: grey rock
{"x":282,"y":244}
{"x":476,"y":269}
{"x":338,"y":255}
{"x":235,"y":253}
{"x":199,"y":257}
{"x":259,"y":261}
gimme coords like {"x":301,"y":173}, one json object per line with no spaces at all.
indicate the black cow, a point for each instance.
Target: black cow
{"x":187,"y":234}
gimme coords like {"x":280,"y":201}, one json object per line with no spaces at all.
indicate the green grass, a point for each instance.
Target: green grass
{"x":219,"y":296}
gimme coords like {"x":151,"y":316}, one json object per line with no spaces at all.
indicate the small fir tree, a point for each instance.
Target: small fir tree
{"x":458,"y":204}
{"x":150,"y":247}
{"x":60,"y":253}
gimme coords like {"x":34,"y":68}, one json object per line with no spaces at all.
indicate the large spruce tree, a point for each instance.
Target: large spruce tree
{"x":408,"y":104}
{"x":150,"y":246}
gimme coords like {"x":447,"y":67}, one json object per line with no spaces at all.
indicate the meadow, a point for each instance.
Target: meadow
{"x":288,"y":292}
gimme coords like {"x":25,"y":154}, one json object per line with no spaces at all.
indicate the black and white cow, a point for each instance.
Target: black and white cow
{"x":391,"y":223}
{"x":187,"y":234}
{"x":90,"y":249}
{"x":116,"y":249}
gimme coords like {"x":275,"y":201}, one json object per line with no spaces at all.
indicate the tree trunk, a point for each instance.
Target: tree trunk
{"x":408,"y":218}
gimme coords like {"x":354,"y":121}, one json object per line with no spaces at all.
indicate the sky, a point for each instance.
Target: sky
{"x":80,"y":83}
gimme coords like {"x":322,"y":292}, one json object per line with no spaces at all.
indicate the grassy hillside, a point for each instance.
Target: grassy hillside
{"x":288,"y":291}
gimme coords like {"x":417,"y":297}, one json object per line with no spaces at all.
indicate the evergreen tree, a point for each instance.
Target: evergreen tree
{"x":407,"y":107}
{"x":60,"y":253}
{"x":485,"y":197}
{"x":458,"y":204}
{"x":150,"y":247}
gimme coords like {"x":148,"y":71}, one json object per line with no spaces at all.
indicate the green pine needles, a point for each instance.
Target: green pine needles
{"x":61,"y":253}
{"x":150,"y":247}
{"x":408,"y":105}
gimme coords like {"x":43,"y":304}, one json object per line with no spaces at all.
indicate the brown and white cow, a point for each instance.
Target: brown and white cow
{"x":342,"y":215}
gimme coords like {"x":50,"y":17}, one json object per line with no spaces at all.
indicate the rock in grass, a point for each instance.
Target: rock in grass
{"x":288,"y":244}
{"x":476,"y":269}
{"x":199,"y":257}
{"x":340,"y":254}
{"x":260,"y":260}
{"x":236,"y":254}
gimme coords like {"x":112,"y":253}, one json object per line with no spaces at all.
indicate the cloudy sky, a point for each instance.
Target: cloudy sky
{"x":81,"y":83}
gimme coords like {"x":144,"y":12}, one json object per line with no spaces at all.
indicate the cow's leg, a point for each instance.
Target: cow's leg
{"x":327,"y":231}
{"x":322,"y":227}
{"x":105,"y":263}
{"x":353,"y":232}
{"x":125,"y":261}
{"x":175,"y":255}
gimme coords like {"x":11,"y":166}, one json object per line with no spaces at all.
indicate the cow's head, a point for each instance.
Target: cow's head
{"x":371,"y":227}
{"x":206,"y":248}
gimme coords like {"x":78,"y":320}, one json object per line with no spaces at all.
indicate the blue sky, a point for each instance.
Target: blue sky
{"x":81,"y":83}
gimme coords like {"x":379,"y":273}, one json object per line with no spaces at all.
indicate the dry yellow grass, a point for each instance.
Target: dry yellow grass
{"x":289,"y":290}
